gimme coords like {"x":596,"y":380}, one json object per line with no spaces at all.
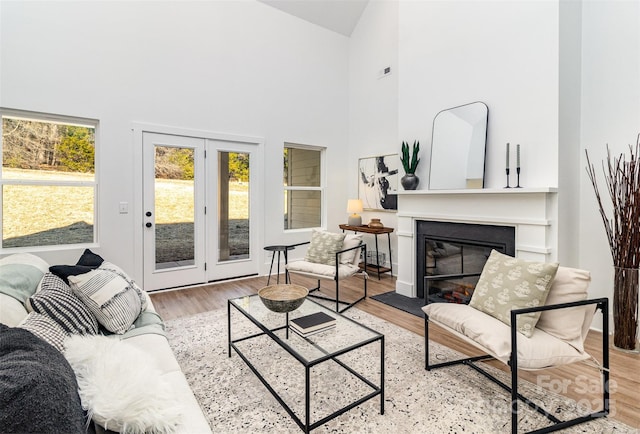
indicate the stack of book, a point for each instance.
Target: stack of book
{"x":311,"y":324}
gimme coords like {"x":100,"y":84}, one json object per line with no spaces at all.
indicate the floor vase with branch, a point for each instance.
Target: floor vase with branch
{"x":622,"y":178}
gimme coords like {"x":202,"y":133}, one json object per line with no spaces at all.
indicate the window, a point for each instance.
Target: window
{"x":48,"y":182}
{"x":303,"y":187}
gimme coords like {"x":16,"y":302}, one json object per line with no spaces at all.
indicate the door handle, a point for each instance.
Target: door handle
{"x":148,"y":214}
{"x":148,"y":224}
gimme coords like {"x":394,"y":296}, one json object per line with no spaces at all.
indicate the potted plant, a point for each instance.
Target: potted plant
{"x":410,"y":163}
{"x":622,"y":178}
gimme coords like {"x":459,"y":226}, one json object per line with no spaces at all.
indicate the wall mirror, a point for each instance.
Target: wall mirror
{"x":458,"y":147}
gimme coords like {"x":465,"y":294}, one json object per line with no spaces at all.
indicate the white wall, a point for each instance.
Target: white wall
{"x":569,"y":147}
{"x":610,"y":116}
{"x":502,"y":53}
{"x":373,"y":101}
{"x":558,"y":77}
{"x":238,"y":67}
{"x":444,"y":54}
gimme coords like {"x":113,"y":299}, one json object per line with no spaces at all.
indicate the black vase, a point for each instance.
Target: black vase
{"x":410,"y":181}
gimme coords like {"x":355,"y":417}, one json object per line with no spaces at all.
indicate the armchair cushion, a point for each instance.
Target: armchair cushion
{"x":508,"y":283}
{"x":540,"y":351}
{"x":323,"y":247}
{"x":326,"y":271}
{"x":569,"y":285}
{"x":352,"y":256}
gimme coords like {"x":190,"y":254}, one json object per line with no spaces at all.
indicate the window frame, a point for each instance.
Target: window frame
{"x":321,"y":188}
{"x":59,"y":119}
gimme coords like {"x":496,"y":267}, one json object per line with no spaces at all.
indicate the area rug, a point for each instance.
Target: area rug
{"x":449,"y":400}
{"x":408,"y":304}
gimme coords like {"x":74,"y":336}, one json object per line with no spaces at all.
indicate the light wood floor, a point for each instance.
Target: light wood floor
{"x":580,"y":380}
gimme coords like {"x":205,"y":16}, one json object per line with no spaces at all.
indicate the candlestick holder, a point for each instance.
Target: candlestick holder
{"x":507,"y":178}
{"x":518,"y":177}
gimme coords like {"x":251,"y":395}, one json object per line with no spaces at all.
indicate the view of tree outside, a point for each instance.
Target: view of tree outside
{"x":174,"y":205}
{"x":239,"y":167}
{"x":177,"y":163}
{"x":49,"y":187}
{"x":48,"y":182}
{"x":38,"y":145}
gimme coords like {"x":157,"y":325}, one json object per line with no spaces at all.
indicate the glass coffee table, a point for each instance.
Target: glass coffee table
{"x":334,"y":353}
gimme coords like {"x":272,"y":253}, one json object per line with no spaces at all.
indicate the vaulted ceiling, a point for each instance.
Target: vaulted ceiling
{"x":341,"y":16}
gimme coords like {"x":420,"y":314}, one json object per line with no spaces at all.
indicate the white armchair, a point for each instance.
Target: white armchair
{"x":561,"y":322}
{"x":332,"y":256}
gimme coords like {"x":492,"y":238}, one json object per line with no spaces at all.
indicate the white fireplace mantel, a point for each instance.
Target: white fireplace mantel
{"x":532,"y":211}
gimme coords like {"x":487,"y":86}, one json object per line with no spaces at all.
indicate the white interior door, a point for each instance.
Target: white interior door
{"x":174,"y":211}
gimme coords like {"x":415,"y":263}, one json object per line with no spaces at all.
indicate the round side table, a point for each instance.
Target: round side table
{"x":279,"y":249}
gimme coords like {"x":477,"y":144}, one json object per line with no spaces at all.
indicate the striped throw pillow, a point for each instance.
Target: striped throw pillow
{"x":114,"y":301}
{"x":120,"y":272}
{"x":56,"y":300}
{"x":46,"y":329}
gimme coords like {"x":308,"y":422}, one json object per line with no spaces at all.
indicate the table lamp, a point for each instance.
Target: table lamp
{"x":354,"y":206}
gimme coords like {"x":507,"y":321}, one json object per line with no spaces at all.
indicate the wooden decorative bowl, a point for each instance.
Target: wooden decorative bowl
{"x":283,"y":298}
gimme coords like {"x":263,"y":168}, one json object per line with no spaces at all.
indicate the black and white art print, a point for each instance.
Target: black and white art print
{"x":378,"y":182}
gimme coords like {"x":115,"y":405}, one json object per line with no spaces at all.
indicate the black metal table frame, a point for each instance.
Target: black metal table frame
{"x":377,"y":265}
{"x":306,"y":426}
{"x":280,"y":249}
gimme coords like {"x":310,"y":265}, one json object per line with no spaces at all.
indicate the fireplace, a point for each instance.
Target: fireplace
{"x":455,"y":248}
{"x":530,"y":213}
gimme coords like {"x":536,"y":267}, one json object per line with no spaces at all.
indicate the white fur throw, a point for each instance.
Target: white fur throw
{"x":120,"y":387}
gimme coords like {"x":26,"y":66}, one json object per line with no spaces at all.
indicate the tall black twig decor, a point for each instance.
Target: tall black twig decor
{"x":622,"y":178}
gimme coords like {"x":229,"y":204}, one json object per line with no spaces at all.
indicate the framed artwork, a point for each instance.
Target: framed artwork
{"x":378,"y":182}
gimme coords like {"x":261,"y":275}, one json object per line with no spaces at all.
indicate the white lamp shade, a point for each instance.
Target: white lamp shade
{"x":354,"y":206}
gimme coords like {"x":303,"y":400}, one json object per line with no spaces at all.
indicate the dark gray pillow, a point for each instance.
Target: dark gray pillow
{"x":64,"y":271}
{"x":90,"y":259}
{"x":38,"y":388}
{"x":87,"y":262}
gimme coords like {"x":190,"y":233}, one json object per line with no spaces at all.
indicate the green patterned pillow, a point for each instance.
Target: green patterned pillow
{"x":509,"y":283}
{"x":323,"y":247}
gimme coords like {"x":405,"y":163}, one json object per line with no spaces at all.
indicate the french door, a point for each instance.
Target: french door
{"x":231,"y":213}
{"x":197,"y":206}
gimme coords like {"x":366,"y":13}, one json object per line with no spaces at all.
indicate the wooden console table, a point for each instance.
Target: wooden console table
{"x":375,"y":231}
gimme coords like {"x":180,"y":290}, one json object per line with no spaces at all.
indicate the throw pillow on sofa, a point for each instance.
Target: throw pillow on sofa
{"x":46,"y":328}
{"x":87,"y":262}
{"x":115,"y":301}
{"x":20,"y":275}
{"x":120,"y":272}
{"x":121,"y":387}
{"x":90,"y":259}
{"x":56,"y":300}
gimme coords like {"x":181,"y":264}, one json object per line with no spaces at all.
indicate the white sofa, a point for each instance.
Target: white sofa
{"x":153,"y":343}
